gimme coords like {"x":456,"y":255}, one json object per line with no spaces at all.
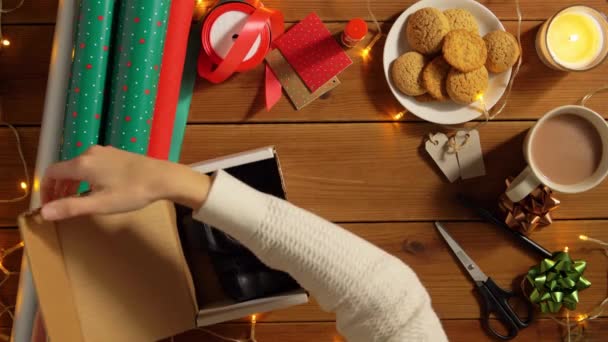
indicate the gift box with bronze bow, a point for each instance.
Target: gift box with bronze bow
{"x":531,"y":213}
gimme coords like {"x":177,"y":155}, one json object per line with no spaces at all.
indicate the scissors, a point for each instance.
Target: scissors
{"x":495,"y":301}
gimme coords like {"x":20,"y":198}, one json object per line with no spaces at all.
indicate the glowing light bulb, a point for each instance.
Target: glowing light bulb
{"x":23,"y":185}
{"x":200,"y":8}
{"x":566,"y":249}
{"x":254,"y":319}
{"x":365,"y":52}
{"x":479,"y":97}
{"x":573,"y":37}
{"x":583,"y":237}
{"x":581,"y":317}
{"x":6,"y":42}
{"x":399,"y":115}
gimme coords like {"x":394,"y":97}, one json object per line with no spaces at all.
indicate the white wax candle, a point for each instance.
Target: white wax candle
{"x":575,"y":39}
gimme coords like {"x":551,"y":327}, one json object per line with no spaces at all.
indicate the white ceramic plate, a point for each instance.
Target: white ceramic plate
{"x":447,"y":113}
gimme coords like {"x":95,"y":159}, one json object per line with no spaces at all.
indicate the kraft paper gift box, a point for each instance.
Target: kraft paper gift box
{"x":124,"y":277}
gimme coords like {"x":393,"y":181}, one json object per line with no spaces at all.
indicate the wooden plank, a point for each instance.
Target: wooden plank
{"x":8,"y":290}
{"x":377,"y":172}
{"x":43,"y":11}
{"x":350,"y":172}
{"x":363,"y":96}
{"x":11,"y":170}
{"x":29,"y":54}
{"x":499,"y":256}
{"x":22,"y":100}
{"x":32,"y":12}
{"x":420,"y":247}
{"x":23,"y":70}
{"x":450,"y":288}
{"x":457,"y":330}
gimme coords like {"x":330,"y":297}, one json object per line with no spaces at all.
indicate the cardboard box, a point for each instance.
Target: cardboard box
{"x":124,"y":277}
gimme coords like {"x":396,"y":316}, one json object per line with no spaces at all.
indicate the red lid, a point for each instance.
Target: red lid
{"x":356,"y":28}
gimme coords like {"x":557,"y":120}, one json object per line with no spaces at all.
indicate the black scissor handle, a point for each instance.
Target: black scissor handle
{"x":492,"y":305}
{"x":503,"y":297}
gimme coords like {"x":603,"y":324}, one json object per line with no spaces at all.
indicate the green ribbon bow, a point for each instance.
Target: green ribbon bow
{"x":556,"y":282}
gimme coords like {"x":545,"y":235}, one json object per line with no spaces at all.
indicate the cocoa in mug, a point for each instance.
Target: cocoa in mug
{"x":566,"y":150}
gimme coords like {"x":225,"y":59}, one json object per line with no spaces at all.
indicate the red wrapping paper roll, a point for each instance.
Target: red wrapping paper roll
{"x":178,"y":28}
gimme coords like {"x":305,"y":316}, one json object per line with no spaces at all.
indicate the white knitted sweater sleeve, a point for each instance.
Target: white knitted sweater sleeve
{"x":375,"y":296}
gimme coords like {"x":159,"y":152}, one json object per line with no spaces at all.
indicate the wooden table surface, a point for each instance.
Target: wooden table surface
{"x":345,"y":158}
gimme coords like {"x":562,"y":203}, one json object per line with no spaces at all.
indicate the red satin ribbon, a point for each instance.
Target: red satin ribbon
{"x":261,"y":19}
{"x":273,"y":88}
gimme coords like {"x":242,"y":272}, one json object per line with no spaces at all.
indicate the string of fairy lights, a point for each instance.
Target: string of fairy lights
{"x":5,"y":42}
{"x":24,"y":184}
{"x":5,"y":270}
{"x":576,"y":328}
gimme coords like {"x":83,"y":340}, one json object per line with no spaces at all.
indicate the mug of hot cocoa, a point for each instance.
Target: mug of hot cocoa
{"x":566,"y":150}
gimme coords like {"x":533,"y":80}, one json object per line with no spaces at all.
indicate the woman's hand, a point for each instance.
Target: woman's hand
{"x":120,"y":181}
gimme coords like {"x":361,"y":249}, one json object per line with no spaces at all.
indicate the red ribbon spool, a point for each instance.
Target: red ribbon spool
{"x":236,"y":36}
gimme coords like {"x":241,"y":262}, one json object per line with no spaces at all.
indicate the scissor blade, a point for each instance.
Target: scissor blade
{"x":466,"y":261}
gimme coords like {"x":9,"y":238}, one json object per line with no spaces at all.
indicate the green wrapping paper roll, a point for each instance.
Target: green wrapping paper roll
{"x":84,"y":103}
{"x":138,"y":50}
{"x":185,"y":92}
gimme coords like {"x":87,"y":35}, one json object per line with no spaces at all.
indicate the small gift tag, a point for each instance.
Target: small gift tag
{"x":437,"y":148}
{"x":295,"y":88}
{"x":470,"y":157}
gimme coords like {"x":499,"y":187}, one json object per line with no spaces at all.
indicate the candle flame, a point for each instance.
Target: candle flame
{"x":6,"y":42}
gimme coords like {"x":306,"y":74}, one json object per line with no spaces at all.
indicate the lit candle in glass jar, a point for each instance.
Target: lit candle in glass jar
{"x":575,"y":39}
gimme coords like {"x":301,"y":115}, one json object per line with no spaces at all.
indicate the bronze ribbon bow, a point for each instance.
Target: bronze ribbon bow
{"x":530,"y":213}
{"x":556,"y":282}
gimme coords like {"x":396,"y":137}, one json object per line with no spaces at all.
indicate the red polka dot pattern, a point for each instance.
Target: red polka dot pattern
{"x":85,"y":98}
{"x":140,"y":40}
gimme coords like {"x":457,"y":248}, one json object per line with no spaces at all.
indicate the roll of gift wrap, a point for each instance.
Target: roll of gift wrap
{"x":89,"y":68}
{"x":138,"y":50}
{"x":48,"y":152}
{"x":185,"y":93}
{"x":180,"y":17}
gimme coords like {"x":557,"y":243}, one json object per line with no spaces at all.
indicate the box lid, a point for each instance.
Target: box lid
{"x":107,"y":278}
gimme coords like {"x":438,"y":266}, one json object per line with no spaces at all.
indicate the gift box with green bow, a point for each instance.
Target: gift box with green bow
{"x":556,"y":282}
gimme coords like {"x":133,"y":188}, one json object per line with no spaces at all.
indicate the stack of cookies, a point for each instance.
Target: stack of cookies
{"x":450,"y":60}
